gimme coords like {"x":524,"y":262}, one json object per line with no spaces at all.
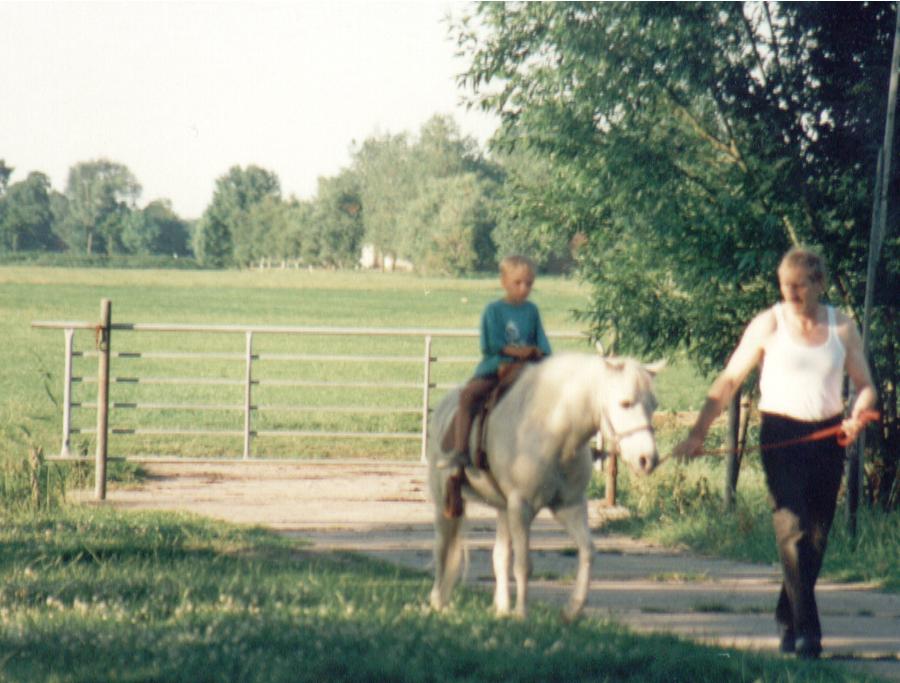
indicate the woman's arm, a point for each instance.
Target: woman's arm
{"x":857,"y":368}
{"x":746,"y":356}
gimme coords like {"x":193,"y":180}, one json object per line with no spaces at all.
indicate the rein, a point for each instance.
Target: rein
{"x":837,"y":431}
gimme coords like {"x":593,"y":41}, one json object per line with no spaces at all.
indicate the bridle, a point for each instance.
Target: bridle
{"x":616,"y":436}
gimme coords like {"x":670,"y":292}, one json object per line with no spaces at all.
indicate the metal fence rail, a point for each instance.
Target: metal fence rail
{"x":248,"y":407}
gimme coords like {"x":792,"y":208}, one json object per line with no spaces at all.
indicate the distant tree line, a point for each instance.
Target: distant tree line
{"x":434,"y":200}
{"x":96,"y":214}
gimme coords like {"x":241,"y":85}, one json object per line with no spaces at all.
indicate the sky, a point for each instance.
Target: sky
{"x":179,"y":92}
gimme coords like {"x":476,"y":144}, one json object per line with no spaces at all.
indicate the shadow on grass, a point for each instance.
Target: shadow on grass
{"x":175,"y":598}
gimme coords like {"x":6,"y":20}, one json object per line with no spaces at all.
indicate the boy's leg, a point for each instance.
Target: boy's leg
{"x":475,"y":391}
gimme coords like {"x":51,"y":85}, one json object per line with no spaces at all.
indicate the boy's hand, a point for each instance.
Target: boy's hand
{"x":534,"y":353}
{"x":523,"y":352}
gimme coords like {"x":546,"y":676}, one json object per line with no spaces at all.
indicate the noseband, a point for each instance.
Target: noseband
{"x":617,"y":437}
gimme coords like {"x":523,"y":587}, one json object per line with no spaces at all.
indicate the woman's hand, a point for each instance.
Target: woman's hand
{"x":688,"y":448}
{"x":853,"y":425}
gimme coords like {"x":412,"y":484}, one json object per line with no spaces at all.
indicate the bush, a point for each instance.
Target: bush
{"x":72,"y":260}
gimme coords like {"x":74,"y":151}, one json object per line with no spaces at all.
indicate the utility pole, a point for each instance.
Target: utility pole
{"x":876,"y":238}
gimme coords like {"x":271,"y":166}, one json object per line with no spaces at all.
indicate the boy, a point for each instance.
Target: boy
{"x":511,"y":333}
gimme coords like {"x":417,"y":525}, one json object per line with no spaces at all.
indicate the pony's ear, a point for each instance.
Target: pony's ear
{"x":599,"y":346}
{"x":656,"y":367}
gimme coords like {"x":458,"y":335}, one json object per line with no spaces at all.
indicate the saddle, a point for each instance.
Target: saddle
{"x":453,"y":502}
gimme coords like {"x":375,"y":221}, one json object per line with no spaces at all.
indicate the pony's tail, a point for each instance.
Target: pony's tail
{"x":451,"y":558}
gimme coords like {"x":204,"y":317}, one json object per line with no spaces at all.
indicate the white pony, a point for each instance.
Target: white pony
{"x":537,"y":451}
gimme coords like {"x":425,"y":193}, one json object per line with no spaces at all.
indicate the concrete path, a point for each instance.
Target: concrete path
{"x":381,"y":509}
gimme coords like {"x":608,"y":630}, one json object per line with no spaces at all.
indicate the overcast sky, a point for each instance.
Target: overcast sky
{"x":180,"y":92}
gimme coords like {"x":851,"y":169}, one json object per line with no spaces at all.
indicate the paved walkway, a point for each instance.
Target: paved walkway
{"x":381,"y":509}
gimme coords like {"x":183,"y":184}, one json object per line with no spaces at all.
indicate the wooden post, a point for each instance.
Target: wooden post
{"x":612,"y":474}
{"x":856,"y":452}
{"x":733,"y":462}
{"x":103,"y":346}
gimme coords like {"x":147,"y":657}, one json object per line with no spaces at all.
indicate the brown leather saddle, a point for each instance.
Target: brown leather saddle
{"x":453,"y":502}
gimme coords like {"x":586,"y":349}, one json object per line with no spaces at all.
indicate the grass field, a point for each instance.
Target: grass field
{"x":31,"y":375}
{"x":677,"y":505}
{"x":93,"y":595}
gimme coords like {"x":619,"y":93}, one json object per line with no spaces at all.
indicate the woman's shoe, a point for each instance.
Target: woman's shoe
{"x":787,"y":642}
{"x":808,"y":647}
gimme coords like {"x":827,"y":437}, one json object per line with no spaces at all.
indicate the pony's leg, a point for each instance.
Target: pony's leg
{"x":501,"y":564}
{"x":448,"y":555}
{"x":575,"y":521}
{"x":520,"y":515}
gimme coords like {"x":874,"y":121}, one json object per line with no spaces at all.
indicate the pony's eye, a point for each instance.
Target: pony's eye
{"x":627,"y":404}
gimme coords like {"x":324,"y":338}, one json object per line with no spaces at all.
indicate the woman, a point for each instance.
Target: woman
{"x":804,"y":348}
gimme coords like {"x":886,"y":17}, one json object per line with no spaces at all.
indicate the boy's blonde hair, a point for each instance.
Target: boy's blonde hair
{"x":508,"y":263}
{"x":808,"y":258}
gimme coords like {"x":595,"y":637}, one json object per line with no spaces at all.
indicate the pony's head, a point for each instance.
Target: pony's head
{"x":626,"y":411}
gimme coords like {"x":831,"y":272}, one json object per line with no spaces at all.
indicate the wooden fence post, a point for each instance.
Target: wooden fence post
{"x":612,"y":473}
{"x":103,"y":346}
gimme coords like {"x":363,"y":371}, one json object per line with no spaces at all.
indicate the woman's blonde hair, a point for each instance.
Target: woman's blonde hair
{"x":808,"y":258}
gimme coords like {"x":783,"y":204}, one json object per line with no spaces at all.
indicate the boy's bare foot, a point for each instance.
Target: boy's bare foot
{"x":451,"y":460}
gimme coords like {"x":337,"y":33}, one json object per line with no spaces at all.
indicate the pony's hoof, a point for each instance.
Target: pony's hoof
{"x":569,"y":615}
{"x":437,"y":604}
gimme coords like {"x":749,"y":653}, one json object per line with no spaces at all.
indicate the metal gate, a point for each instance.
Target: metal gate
{"x":248,"y":383}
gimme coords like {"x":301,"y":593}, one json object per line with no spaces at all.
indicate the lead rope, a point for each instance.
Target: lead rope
{"x":837,"y":431}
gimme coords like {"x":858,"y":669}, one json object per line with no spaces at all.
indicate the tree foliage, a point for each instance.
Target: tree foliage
{"x":156,"y":229}
{"x":429,"y":197}
{"x":100,"y":194}
{"x":691,"y":144}
{"x":26,"y":219}
{"x":230,"y":229}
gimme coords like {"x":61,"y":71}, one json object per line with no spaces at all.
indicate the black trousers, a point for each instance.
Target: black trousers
{"x":803,"y":481}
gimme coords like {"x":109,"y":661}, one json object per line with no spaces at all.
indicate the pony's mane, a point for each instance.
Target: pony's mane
{"x":562,"y":368}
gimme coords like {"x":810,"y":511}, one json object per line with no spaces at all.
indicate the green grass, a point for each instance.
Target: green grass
{"x":31,"y":376}
{"x":92,"y":595}
{"x":682,"y":505}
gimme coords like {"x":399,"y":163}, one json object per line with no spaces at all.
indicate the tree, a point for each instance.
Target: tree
{"x":156,"y":229}
{"x":26,"y":221}
{"x":100,"y":195}
{"x":398,"y":178}
{"x":337,"y":220}
{"x":529,"y":210}
{"x":387,"y":183}
{"x":225,"y":233}
{"x":692,"y":143}
{"x":5,"y":173}
{"x":448,"y":226}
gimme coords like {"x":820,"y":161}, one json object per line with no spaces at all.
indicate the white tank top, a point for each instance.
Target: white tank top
{"x":802,"y":382}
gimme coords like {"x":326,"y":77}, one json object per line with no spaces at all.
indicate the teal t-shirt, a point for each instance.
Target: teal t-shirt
{"x":506,"y":324}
